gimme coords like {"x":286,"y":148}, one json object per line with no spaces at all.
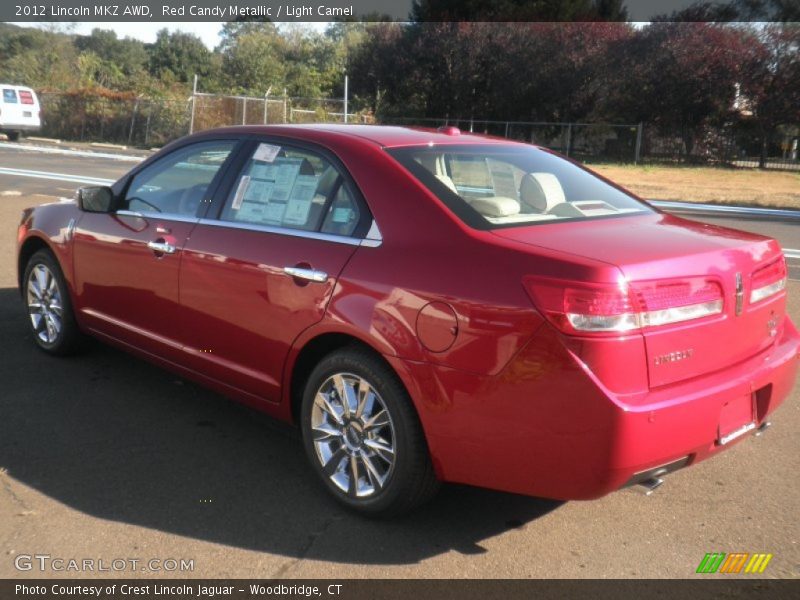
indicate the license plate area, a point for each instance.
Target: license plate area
{"x":736,"y":418}
{"x":27,"y":113}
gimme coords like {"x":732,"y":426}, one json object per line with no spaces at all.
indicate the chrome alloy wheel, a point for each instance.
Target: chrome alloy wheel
{"x":44,"y":304}
{"x":353,"y":435}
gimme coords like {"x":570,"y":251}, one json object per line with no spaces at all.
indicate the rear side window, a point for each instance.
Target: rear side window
{"x":505,"y":185}
{"x":9,"y":96}
{"x":292,"y":188}
{"x":25,"y":97}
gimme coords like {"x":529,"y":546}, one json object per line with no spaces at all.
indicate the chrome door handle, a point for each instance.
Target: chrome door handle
{"x":307,"y":274}
{"x":162,"y":247}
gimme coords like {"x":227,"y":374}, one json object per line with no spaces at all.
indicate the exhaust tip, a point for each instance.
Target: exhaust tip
{"x":762,"y":428}
{"x":651,"y":485}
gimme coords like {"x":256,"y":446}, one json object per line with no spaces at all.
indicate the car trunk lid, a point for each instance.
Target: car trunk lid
{"x":662,"y":247}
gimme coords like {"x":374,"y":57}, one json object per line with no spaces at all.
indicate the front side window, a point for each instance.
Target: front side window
{"x":503,"y":185}
{"x":177,"y":184}
{"x":292,"y":188}
{"x":9,"y":96}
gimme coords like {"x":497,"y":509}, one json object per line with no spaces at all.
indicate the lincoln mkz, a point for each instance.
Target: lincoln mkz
{"x":428,"y":306}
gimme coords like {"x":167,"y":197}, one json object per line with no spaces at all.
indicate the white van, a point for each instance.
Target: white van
{"x":19,"y":111}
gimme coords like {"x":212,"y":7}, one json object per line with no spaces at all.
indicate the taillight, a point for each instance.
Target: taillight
{"x":768,"y":281}
{"x":580,"y":308}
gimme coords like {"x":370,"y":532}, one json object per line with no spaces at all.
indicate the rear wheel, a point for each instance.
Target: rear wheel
{"x":13,"y":136}
{"x":50,"y":315}
{"x":363,"y":437}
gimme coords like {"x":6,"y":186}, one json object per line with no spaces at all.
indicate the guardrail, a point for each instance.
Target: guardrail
{"x":722,"y":210}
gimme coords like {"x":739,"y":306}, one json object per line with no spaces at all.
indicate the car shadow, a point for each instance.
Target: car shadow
{"x":117,"y":438}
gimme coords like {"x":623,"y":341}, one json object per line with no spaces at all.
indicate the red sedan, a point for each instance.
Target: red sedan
{"x":427,"y":306}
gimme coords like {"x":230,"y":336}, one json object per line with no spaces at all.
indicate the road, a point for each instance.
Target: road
{"x":103,"y":456}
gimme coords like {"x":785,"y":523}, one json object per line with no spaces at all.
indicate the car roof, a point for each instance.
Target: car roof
{"x":16,"y":87}
{"x":388,"y":136}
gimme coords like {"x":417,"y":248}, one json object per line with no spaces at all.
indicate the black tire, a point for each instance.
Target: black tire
{"x":13,"y":136}
{"x":69,"y":338}
{"x":410,"y":480}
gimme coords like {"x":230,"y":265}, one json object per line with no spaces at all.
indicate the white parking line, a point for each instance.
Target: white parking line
{"x":46,"y":150}
{"x":55,"y":176}
{"x":791,"y":253}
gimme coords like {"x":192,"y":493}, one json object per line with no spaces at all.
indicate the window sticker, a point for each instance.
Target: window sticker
{"x":342,"y":215}
{"x":266,"y":153}
{"x":299,"y":203}
{"x":244,"y":182}
{"x":503,"y":179}
{"x":285,"y":175}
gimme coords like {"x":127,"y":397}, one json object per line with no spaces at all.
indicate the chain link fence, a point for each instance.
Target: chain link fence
{"x":582,"y":141}
{"x":128,"y":121}
{"x":214,"y":110}
{"x":151,"y":123}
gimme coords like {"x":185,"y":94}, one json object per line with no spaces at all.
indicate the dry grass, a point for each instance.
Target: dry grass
{"x":703,"y":184}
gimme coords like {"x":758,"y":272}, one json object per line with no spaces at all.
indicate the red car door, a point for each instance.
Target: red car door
{"x":127,"y":262}
{"x":262,"y":268}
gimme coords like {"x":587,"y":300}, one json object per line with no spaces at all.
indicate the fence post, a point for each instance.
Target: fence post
{"x":266,"y":104}
{"x":345,"y":97}
{"x":244,"y":110}
{"x":637,"y":155}
{"x":194,"y":92}
{"x":147,"y":125}
{"x":506,"y":136}
{"x":569,"y":138}
{"x":285,"y":102}
{"x":102,"y":117}
{"x":133,"y":120}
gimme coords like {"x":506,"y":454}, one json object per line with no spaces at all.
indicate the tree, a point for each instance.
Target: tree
{"x":517,"y":10}
{"x":770,"y":79}
{"x":678,"y":76}
{"x":253,"y":60}
{"x":179,"y":56}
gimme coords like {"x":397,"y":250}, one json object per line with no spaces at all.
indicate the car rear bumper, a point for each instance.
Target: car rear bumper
{"x":20,"y":127}
{"x":545,"y":426}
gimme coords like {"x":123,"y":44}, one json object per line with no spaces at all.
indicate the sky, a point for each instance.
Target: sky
{"x":146,"y":32}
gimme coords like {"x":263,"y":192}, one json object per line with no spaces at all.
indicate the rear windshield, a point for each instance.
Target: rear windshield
{"x":492,"y":186}
{"x":25,"y":97}
{"x":9,"y":96}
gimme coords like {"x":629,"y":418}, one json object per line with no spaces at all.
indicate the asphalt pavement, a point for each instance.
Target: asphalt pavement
{"x":103,"y":456}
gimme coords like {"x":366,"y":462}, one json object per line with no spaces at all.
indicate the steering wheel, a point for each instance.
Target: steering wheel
{"x":191,"y":198}
{"x":143,"y":201}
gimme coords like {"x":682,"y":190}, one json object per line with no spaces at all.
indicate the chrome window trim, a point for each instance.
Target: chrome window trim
{"x":311,"y":235}
{"x":157,"y":216}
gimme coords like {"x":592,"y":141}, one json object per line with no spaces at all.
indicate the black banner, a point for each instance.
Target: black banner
{"x":398,"y":10}
{"x":364,"y":589}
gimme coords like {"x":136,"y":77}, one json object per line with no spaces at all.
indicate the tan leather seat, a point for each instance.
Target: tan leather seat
{"x":495,"y":206}
{"x":541,"y":192}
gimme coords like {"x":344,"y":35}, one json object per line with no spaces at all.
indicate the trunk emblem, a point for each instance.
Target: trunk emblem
{"x":772,"y":324}
{"x":739,"y":294}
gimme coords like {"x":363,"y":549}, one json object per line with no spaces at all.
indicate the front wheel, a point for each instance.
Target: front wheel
{"x":13,"y":136}
{"x":49,"y":307}
{"x":363,"y":437}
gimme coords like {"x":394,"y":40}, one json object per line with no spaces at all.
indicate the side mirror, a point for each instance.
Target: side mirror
{"x":95,"y":199}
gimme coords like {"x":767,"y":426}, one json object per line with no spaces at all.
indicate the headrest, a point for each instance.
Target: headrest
{"x":541,"y":191}
{"x":495,"y":206}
